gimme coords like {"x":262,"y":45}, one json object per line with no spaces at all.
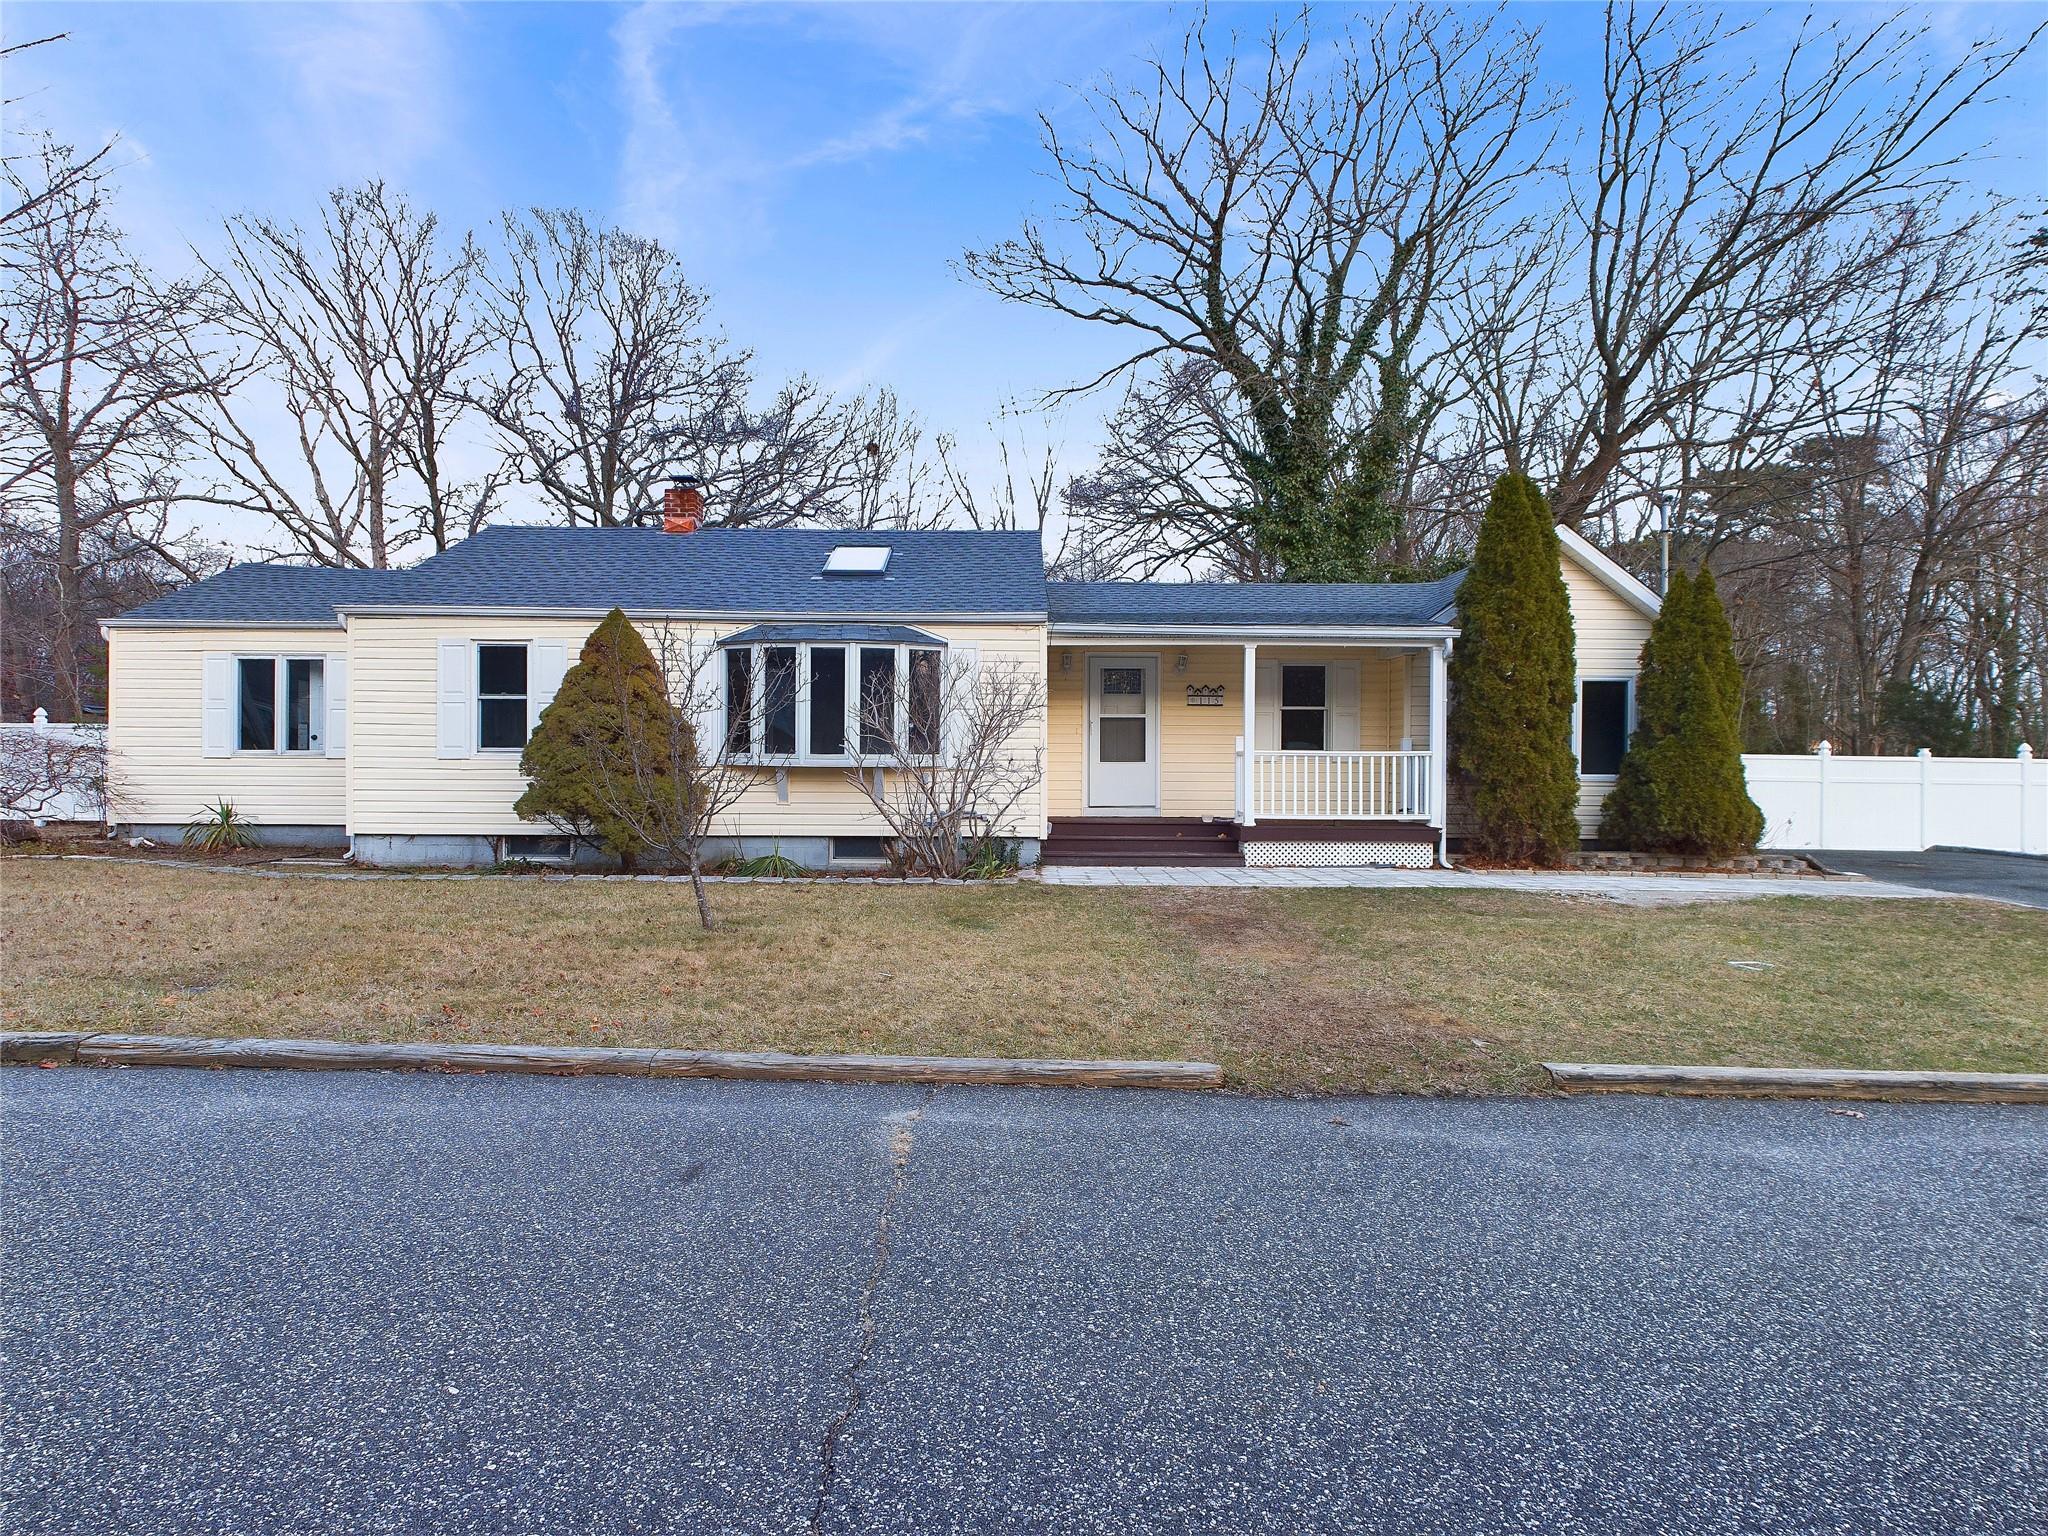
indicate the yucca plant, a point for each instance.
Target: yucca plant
{"x":771,"y":864}
{"x":219,"y":829}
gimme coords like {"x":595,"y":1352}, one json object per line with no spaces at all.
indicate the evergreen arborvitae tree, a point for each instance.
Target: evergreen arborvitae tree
{"x":1629,"y":814}
{"x":1512,"y":680}
{"x":1681,"y":788}
{"x":611,"y":712}
{"x":1718,"y":636}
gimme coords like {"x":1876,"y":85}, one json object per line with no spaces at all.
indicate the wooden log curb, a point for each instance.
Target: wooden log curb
{"x":1801,"y":1083}
{"x":89,"y":1049}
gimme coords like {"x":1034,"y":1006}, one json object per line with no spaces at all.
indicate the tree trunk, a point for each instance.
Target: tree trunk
{"x":70,"y":638}
{"x":697,"y":889}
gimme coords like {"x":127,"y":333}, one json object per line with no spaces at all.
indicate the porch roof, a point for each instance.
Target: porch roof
{"x":1242,"y":605}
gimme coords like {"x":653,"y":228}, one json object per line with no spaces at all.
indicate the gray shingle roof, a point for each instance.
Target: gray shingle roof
{"x":729,"y":570}
{"x":717,"y":570}
{"x":1225,"y":604}
{"x":742,"y":571}
{"x":266,"y":594}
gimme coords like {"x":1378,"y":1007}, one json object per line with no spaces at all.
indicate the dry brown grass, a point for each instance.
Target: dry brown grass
{"x":1288,"y":991}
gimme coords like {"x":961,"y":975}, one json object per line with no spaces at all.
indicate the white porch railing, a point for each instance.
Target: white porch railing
{"x":1333,"y":786}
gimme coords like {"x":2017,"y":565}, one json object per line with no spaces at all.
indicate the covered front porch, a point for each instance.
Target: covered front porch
{"x":1314,"y":749}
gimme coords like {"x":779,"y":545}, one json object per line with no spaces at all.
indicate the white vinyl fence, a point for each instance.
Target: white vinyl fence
{"x":52,"y":772}
{"x":1823,"y":800}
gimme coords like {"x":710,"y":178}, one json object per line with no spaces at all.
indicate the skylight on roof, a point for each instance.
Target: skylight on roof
{"x":857,"y":560}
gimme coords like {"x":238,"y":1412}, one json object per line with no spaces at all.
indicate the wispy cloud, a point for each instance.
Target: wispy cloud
{"x":682,"y":170}
{"x":372,"y":86}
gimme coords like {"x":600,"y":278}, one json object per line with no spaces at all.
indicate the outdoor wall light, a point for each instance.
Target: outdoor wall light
{"x":1180,"y":662}
{"x":1066,"y":661}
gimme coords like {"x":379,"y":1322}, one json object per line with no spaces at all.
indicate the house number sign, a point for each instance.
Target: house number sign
{"x":1205,"y":696}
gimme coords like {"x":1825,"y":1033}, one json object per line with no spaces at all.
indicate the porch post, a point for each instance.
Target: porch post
{"x":1439,"y":733}
{"x":1247,"y":815}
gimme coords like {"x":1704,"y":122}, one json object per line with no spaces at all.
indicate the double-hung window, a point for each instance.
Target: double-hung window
{"x":1304,"y":709}
{"x":280,"y":704}
{"x":832,"y":703}
{"x":501,"y":716}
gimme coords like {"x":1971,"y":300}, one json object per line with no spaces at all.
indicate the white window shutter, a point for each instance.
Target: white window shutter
{"x":550,"y":659}
{"x":961,"y":669}
{"x":335,"y":673}
{"x":216,"y":713}
{"x":1340,"y":690}
{"x":455,"y":694}
{"x":706,"y":681}
{"x":1266,"y":708}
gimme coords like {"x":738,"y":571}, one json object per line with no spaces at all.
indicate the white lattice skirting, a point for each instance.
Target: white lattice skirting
{"x":1303,"y":855}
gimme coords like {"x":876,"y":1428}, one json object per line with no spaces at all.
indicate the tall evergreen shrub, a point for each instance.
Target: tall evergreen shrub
{"x":602,"y":743}
{"x":1681,"y":787}
{"x":1512,"y":680}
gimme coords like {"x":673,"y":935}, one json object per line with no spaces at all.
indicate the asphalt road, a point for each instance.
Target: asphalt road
{"x":2005,"y":876}
{"x":310,"y":1303}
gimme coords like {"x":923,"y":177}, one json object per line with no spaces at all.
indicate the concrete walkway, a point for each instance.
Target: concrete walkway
{"x":1631,"y":890}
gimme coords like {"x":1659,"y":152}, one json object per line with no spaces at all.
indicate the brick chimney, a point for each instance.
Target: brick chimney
{"x":682,"y":506}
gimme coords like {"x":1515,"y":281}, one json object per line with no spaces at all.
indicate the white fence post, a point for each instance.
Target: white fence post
{"x":2029,"y":843}
{"x":1926,"y":756}
{"x":1820,"y":797}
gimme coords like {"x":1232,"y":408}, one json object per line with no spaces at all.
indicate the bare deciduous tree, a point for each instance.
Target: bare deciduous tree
{"x":1279,"y":230}
{"x":612,"y":377}
{"x":47,"y":768}
{"x":1724,"y":203}
{"x":100,"y":362}
{"x":946,"y":755}
{"x":359,"y":328}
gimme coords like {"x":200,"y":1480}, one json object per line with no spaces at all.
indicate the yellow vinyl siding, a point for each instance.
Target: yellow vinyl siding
{"x":400,"y":786}
{"x":158,"y":769}
{"x":1198,"y":744}
{"x":1609,"y":634}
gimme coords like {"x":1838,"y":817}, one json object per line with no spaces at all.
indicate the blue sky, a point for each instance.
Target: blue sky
{"x":819,"y":169}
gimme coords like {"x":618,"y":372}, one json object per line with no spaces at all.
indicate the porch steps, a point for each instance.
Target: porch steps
{"x":1136,"y":840}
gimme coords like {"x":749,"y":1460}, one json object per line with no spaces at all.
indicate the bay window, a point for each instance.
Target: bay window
{"x":827,"y":682}
{"x":739,"y":701}
{"x":877,"y":700}
{"x":816,"y":701}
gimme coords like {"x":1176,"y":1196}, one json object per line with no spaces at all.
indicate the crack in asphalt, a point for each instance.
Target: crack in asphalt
{"x":901,"y":1139}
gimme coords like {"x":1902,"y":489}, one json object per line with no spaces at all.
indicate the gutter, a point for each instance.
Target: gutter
{"x":1233,"y":633}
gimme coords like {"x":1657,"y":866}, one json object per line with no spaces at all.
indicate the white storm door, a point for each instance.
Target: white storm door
{"x":1123,"y":733}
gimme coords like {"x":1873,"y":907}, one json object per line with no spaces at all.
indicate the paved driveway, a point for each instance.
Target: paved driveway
{"x":2005,"y":876}
{"x":275,"y":1302}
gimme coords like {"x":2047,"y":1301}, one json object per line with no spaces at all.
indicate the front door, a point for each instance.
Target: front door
{"x":1123,"y":733}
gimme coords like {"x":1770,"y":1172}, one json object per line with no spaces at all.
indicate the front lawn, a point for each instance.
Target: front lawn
{"x":1330,"y":991}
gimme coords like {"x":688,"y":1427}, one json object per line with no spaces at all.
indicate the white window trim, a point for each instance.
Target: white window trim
{"x":317,"y":709}
{"x":803,"y":756}
{"x":1281,"y":706}
{"x":1578,"y":721}
{"x":477,"y":695}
